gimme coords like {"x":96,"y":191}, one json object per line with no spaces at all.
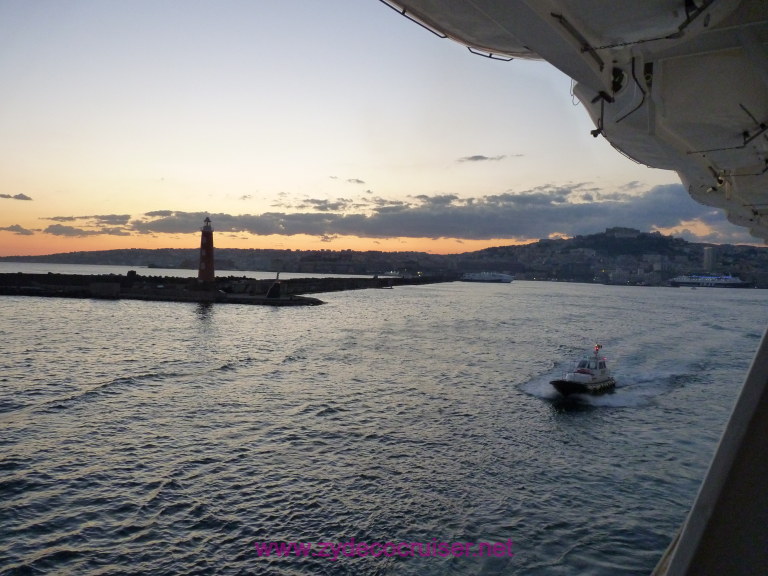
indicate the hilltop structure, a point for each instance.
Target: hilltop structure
{"x":205,"y":271}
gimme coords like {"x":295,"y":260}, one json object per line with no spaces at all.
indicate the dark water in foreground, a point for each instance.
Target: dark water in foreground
{"x":163,"y":438}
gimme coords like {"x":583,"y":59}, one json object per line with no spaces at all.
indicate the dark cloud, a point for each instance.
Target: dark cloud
{"x":115,"y":231}
{"x":511,"y":200}
{"x":439,"y":200}
{"x":385,"y":205}
{"x":392,"y":209}
{"x":62,"y":218}
{"x":16,"y":229}
{"x":110,"y":224}
{"x":114,"y":219}
{"x":62,"y":230}
{"x":481,"y":158}
{"x":169,"y":222}
{"x":349,"y":180}
{"x":323,"y":205}
{"x":15,"y":197}
{"x":246,"y":197}
{"x":541,"y":212}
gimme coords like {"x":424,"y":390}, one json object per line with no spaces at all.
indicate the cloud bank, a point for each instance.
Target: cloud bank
{"x":481,"y":158}
{"x":542,"y":212}
{"x":18,"y":230}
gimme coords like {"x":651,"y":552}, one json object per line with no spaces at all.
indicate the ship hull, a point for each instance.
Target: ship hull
{"x":707,"y":281}
{"x":568,"y":387}
{"x":710,"y":285}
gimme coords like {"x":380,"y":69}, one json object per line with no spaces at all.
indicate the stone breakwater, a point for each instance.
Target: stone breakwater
{"x":233,"y":290}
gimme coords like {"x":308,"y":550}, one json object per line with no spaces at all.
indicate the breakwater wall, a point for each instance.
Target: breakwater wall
{"x":240,"y":290}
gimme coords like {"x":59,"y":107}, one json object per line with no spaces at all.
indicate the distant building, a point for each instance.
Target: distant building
{"x":619,"y":232}
{"x":709,"y":258}
{"x":206,"y":272}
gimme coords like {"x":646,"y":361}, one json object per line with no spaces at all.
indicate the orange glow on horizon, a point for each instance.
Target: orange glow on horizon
{"x":43,"y":244}
{"x":697,"y":227}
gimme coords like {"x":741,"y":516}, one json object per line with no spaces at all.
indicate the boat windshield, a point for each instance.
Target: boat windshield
{"x":583,"y":364}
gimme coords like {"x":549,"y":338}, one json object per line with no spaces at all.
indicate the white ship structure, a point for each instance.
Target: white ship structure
{"x":709,"y":281}
{"x":679,"y":85}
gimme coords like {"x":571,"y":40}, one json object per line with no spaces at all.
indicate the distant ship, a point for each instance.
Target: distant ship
{"x":709,"y":281}
{"x":497,"y":277}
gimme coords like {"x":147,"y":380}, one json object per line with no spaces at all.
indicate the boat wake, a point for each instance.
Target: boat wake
{"x":630,"y":391}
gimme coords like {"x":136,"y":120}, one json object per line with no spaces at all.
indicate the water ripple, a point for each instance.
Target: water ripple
{"x":424,"y":415}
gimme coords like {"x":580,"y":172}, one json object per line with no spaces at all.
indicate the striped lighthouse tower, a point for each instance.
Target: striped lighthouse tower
{"x":205,"y":272}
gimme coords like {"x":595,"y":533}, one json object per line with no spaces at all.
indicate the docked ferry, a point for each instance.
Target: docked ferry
{"x":709,"y":281}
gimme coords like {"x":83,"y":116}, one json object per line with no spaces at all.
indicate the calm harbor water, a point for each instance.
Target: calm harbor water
{"x":168,"y":438}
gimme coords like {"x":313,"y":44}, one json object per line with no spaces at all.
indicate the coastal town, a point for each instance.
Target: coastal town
{"x":615,"y":256}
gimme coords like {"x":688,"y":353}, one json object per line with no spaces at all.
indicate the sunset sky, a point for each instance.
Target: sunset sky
{"x":298,"y":124}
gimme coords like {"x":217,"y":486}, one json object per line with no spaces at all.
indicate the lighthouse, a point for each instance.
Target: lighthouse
{"x":205,"y":272}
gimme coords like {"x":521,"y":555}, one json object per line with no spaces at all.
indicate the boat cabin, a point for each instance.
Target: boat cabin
{"x":592,"y":364}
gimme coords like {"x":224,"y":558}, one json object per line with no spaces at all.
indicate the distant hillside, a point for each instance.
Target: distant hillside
{"x":612,"y":242}
{"x":608,"y":243}
{"x":618,"y":255}
{"x":128,"y":257}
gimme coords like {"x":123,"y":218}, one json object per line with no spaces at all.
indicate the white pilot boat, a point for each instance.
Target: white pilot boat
{"x":590,"y":376}
{"x":640,"y":70}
